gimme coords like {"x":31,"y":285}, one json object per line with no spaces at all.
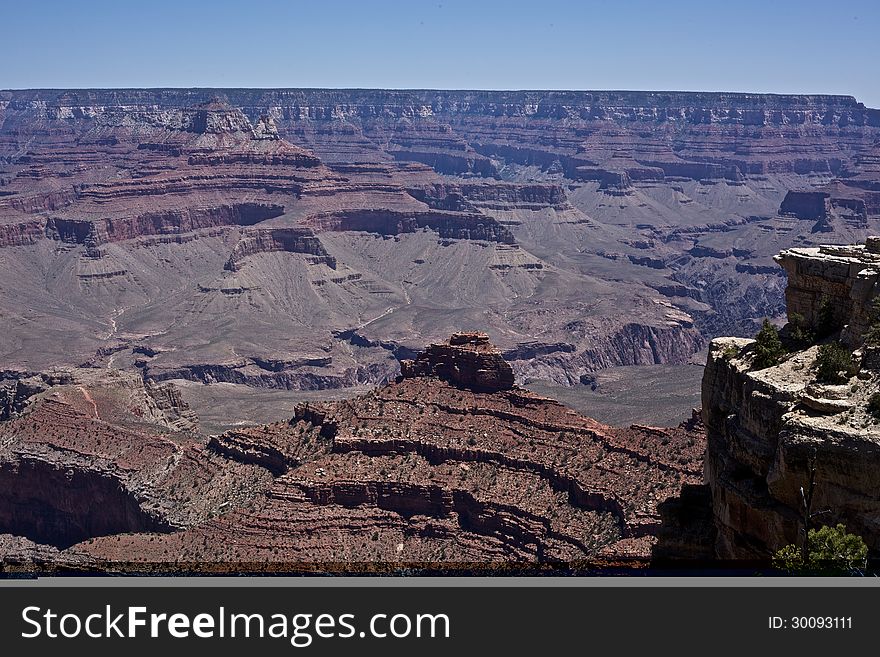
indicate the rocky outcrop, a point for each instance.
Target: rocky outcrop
{"x":16,"y":390}
{"x":448,"y":225}
{"x":453,"y":164}
{"x":290,"y":240}
{"x":838,"y":280}
{"x":497,"y":195}
{"x":183,"y":221}
{"x":766,"y":428}
{"x":467,"y":360}
{"x":173,"y":222}
{"x":72,"y":231}
{"x":168,"y":408}
{"x":697,"y":171}
{"x":19,"y":234}
{"x":806,"y":205}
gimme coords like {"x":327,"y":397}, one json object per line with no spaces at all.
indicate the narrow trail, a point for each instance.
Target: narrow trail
{"x":387,"y":312}
{"x":88,"y":397}
{"x":113,"y":325}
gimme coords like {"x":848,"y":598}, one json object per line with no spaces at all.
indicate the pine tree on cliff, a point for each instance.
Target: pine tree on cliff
{"x":826,"y":550}
{"x":768,"y":347}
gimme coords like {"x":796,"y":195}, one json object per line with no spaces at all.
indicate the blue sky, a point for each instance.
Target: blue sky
{"x":735,"y":45}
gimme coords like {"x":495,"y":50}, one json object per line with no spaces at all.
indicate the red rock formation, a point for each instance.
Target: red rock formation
{"x":468,"y":360}
{"x":449,"y":225}
{"x":84,"y":457}
{"x":172,"y":222}
{"x":21,"y":233}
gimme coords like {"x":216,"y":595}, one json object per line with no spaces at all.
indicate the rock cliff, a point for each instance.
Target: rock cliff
{"x":841,"y":280}
{"x":291,"y":240}
{"x":766,"y":426}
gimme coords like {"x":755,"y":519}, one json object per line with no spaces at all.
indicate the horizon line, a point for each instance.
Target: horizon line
{"x":455,"y":89}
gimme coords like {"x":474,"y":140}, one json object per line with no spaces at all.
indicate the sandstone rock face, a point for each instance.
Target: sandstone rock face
{"x":843,"y":277}
{"x":764,"y":427}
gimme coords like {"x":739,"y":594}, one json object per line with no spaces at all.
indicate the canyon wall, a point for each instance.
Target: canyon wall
{"x":629,"y":226}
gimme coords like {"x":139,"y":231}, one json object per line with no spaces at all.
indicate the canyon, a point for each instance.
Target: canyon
{"x":312,"y":239}
{"x":226,"y":319}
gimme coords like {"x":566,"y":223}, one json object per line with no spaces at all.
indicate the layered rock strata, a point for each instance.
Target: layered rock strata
{"x":173,"y":217}
{"x":468,"y":360}
{"x":838,"y":280}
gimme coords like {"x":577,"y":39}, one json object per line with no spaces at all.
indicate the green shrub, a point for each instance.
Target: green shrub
{"x":768,"y":347}
{"x":834,"y":364}
{"x":730,"y":352}
{"x":825,"y":322}
{"x":799,"y":333}
{"x":831,"y":551}
{"x":872,"y":335}
{"x":874,"y":405}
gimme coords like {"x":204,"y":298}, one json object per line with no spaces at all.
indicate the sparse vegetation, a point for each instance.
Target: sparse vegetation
{"x":872,"y":335}
{"x":834,"y":364}
{"x":730,"y":352}
{"x":825,"y":321}
{"x":800,"y":334}
{"x":768,"y":347}
{"x":832,"y":551}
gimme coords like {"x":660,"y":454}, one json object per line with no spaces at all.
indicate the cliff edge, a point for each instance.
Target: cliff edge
{"x":766,"y":426}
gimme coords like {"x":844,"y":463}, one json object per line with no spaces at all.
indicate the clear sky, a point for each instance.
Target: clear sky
{"x":732,"y":45}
